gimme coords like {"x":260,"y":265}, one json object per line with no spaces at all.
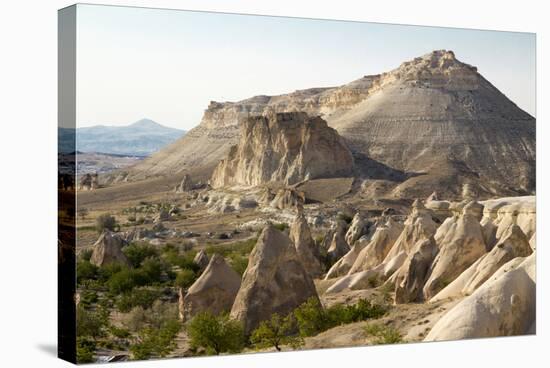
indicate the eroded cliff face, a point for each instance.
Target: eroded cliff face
{"x":285,"y":148}
{"x":433,"y":115}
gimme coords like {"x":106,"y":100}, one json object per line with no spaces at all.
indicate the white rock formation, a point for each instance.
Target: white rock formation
{"x":504,"y":305}
{"x":275,"y":281}
{"x":108,"y":249}
{"x":214,"y":291}
{"x":460,"y":243}
{"x":357,"y":228}
{"x":307,"y":250}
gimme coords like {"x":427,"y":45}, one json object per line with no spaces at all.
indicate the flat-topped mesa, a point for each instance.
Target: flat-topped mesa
{"x":283,"y":147}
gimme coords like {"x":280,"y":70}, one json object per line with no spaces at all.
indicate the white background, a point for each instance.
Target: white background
{"x":28,"y":133}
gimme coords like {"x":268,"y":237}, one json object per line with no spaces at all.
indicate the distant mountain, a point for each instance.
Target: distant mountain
{"x":141,"y":138}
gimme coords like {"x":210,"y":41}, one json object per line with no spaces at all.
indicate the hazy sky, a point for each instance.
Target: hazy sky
{"x":166,"y":65}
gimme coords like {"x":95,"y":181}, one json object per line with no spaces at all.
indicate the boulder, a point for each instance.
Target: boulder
{"x":201,"y":259}
{"x":505,"y":305}
{"x":461,"y":244}
{"x":357,"y":229}
{"x":275,"y":281}
{"x":214,"y":291}
{"x":108,"y":249}
{"x":378,"y":247}
{"x":307,"y":250}
{"x":163,"y":215}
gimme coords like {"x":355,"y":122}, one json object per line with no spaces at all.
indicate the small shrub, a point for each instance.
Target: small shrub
{"x":281,"y":226}
{"x":154,"y":342}
{"x":312,"y":318}
{"x":185,"y":278}
{"x":383,"y":334}
{"x":105,"y":222}
{"x":88,"y":297}
{"x":137,"y":253}
{"x":137,"y":297}
{"x":276,"y":332}
{"x":119,"y":332}
{"x":85,"y":349}
{"x":90,"y":324}
{"x":85,"y":271}
{"x":216,"y":334}
{"x":86,"y":254}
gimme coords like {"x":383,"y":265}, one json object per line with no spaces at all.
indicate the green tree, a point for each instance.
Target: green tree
{"x":137,"y":253}
{"x":85,"y":271}
{"x":216,"y":334}
{"x":156,"y":342}
{"x":91,"y":324}
{"x":276,"y":332}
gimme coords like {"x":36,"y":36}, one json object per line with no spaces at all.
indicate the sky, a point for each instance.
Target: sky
{"x":167,"y":65}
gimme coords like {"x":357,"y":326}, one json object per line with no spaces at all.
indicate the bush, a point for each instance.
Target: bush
{"x":238,"y":263}
{"x":383,"y":334}
{"x":137,"y":297}
{"x":86,"y":254}
{"x":119,"y":332}
{"x":281,"y":226}
{"x":124,"y":281}
{"x":88,"y":297}
{"x":105,"y":222}
{"x":185,"y":278}
{"x":156,"y":342}
{"x":313,"y":319}
{"x":85,"y":271}
{"x":85,"y":349}
{"x":137,"y":253}
{"x":90,"y":324}
{"x":276,"y":332}
{"x":216,"y":334}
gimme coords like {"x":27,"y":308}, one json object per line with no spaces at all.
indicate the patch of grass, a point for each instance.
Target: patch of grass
{"x":282,"y":226}
{"x":383,"y":334}
{"x":237,"y":253}
{"x":141,"y":297}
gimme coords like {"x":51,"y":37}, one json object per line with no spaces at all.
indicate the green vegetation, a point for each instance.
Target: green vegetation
{"x":237,"y":253}
{"x":282,"y":226}
{"x":141,"y":297}
{"x":85,"y":349}
{"x":85,"y":271}
{"x":312,"y":318}
{"x":156,"y":342}
{"x":276,"y":332}
{"x":105,"y":222}
{"x":383,"y":334}
{"x":137,"y":253}
{"x":185,"y":278}
{"x":91,"y":324}
{"x":216,"y":334}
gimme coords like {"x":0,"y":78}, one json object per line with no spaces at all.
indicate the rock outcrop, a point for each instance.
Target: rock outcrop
{"x":185,"y":185}
{"x":214,"y":291}
{"x":380,"y":116}
{"x":504,"y":305}
{"x":306,"y":249}
{"x":108,"y":249}
{"x":411,"y":276}
{"x":288,"y":198}
{"x":338,"y":246}
{"x":379,"y":246}
{"x":275,"y":281}
{"x":89,"y":182}
{"x":344,"y":264}
{"x":514,"y":244}
{"x":283,"y":147}
{"x":461,"y":243}
{"x":357,"y":228}
{"x":201,"y":259}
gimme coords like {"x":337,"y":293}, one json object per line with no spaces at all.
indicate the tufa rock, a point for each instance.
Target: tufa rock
{"x":108,"y":249}
{"x":214,"y":291}
{"x":357,"y":229}
{"x":275,"y":281}
{"x":285,"y":147}
{"x":201,"y":259}
{"x":307,"y":250}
